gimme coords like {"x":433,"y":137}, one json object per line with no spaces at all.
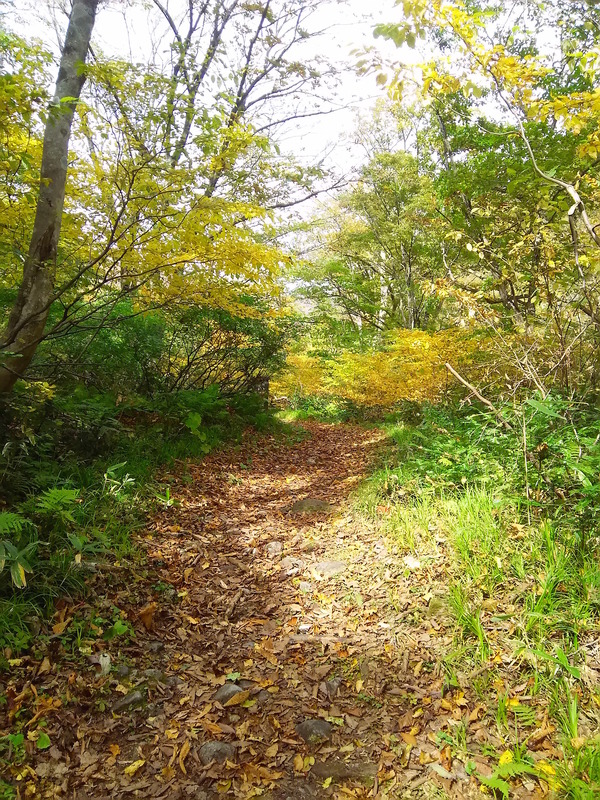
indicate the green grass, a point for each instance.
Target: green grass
{"x":523,"y":565}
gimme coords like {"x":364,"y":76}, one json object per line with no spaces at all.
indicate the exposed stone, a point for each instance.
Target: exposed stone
{"x":156,"y":646}
{"x":327,"y":569}
{"x":311,"y":505}
{"x":216,"y":751}
{"x":226,"y":692}
{"x":263,"y":698}
{"x":122,"y":670}
{"x":274,"y":549}
{"x":305,"y":586}
{"x":314,"y":731}
{"x":330,"y":688}
{"x":132,"y":700}
{"x":411,"y":562}
{"x":154,"y":675}
{"x":437,"y":606}
{"x":292,"y":565}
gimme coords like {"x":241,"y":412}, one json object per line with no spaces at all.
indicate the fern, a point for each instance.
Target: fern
{"x":496,"y":784}
{"x":57,"y":500}
{"x":57,"y":503}
{"x":12,"y":523}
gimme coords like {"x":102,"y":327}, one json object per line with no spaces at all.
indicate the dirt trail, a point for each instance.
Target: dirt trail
{"x":309,"y":620}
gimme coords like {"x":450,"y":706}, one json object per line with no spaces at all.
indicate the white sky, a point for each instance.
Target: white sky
{"x":125,"y":31}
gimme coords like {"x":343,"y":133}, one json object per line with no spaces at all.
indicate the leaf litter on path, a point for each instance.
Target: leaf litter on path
{"x":248,"y":678}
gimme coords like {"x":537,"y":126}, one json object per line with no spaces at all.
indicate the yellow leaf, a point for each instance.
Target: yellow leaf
{"x":359,"y":684}
{"x":133,"y":768}
{"x":409,"y":738}
{"x":237,"y":699}
{"x":327,"y":783}
{"x":172,"y":733}
{"x":298,"y":763}
{"x":114,"y":749}
{"x":185,"y":749}
{"x":271,"y":752}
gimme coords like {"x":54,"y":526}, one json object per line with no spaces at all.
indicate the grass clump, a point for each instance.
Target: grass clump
{"x":514,"y":521}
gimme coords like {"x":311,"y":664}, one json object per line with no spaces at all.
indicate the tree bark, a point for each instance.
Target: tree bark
{"x":30,"y":312}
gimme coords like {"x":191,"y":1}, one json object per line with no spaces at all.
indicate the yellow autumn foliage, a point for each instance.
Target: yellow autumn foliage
{"x":410,"y":366}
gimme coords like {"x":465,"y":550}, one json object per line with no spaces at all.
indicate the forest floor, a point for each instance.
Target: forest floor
{"x":275,"y":644}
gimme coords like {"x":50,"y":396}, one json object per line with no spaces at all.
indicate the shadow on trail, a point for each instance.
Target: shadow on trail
{"x":292,"y":611}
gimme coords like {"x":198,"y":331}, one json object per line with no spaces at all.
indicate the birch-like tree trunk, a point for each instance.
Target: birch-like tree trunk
{"x":28,"y":317}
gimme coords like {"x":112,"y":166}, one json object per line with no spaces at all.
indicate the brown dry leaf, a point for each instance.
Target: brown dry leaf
{"x":298,"y":763}
{"x":271,"y":751}
{"x":147,"y":615}
{"x":210,"y":727}
{"x":185,"y":749}
{"x":474,"y":715}
{"x":60,"y":627}
{"x":45,"y":666}
{"x":114,"y":749}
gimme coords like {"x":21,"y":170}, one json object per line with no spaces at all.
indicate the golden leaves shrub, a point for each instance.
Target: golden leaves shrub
{"x":409,"y":366}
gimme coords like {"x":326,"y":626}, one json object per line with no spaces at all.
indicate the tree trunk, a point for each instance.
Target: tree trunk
{"x":28,"y":318}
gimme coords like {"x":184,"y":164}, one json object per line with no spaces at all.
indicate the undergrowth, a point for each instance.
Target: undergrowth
{"x":79,"y":475}
{"x":516,"y":520}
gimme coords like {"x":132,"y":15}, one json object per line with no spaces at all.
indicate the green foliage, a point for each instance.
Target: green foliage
{"x":78,"y":477}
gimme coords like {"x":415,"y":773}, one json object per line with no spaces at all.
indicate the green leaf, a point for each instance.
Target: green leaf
{"x":496,"y":783}
{"x":43,"y":741}
{"x":17,"y":574}
{"x":543,"y":408}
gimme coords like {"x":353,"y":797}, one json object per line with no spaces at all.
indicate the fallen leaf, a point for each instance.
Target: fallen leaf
{"x":185,"y":749}
{"x":133,"y":768}
{"x":114,"y":749}
{"x":45,"y":666}
{"x":60,"y":627}
{"x":147,"y":615}
{"x":237,"y":699}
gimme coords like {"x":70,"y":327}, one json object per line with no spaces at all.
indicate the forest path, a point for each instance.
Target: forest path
{"x":291,"y":645}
